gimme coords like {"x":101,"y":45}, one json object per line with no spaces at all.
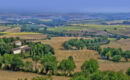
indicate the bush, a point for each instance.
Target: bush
{"x":49,"y":64}
{"x":90,"y":66}
{"x":28,"y":67}
{"x":128,"y":71}
{"x":116,"y":58}
{"x":79,"y":78}
{"x":67,"y":65}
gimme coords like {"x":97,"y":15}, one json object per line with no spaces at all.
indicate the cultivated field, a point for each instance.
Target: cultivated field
{"x":94,"y":28}
{"x":77,"y":27}
{"x":123,"y":43}
{"x":24,"y":35}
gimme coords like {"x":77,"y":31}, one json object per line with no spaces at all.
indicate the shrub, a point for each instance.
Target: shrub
{"x":128,"y":71}
{"x":116,"y":58}
{"x":67,"y":65}
{"x":90,"y":66}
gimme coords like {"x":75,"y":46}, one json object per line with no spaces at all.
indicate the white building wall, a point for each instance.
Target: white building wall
{"x":17,"y":51}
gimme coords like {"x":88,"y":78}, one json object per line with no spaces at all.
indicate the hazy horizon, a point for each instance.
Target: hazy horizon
{"x":111,"y":6}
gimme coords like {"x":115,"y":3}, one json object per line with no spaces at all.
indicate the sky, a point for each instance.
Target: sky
{"x":65,"y":5}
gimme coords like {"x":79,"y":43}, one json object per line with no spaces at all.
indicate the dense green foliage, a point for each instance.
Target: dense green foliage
{"x":81,"y":43}
{"x":126,"y":55}
{"x":49,"y":64}
{"x":128,"y":71}
{"x":67,"y":65}
{"x":40,"y":49}
{"x":90,"y":72}
{"x":115,"y":54}
{"x":28,"y":66}
{"x":12,"y":62}
{"x":116,"y":58}
{"x":6,"y":46}
{"x":90,"y":66}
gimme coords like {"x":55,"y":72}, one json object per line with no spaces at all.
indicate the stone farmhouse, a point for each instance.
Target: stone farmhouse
{"x":21,"y":48}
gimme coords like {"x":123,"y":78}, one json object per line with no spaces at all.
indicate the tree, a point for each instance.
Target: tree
{"x":108,"y":55}
{"x":35,"y":60}
{"x":79,"y":78}
{"x":16,"y":63}
{"x":12,"y":62}
{"x":116,"y":58}
{"x":128,"y":71}
{"x":7,"y":59}
{"x":90,"y":66}
{"x":98,"y":76}
{"x":49,"y":63}
{"x":66,"y":45}
{"x":1,"y":61}
{"x":39,"y":49}
{"x":67,"y":65}
{"x":28,"y":66}
{"x":5,"y":48}
{"x":126,"y":55}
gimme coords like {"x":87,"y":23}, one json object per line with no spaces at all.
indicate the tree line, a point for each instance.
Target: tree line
{"x":49,"y":64}
{"x":79,"y":44}
{"x":89,"y":71}
{"x":107,"y":53}
{"x":115,"y":54}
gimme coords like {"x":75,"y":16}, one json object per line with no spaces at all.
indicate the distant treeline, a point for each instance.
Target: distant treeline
{"x":52,"y":23}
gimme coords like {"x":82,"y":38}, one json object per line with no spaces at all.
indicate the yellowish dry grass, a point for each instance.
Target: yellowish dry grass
{"x":10,"y":75}
{"x":25,"y":35}
{"x":123,"y":43}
